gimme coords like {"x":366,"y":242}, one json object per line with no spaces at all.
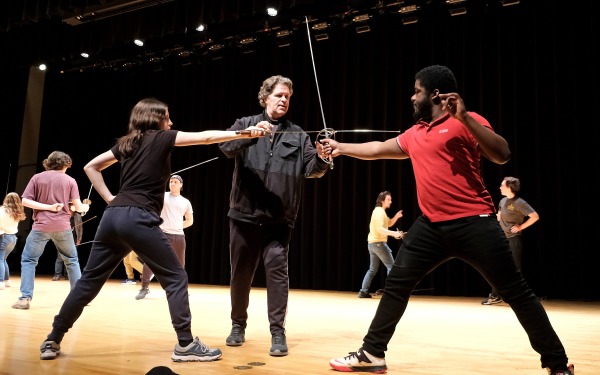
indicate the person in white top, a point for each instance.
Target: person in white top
{"x":11,"y":213}
{"x":177,"y":214}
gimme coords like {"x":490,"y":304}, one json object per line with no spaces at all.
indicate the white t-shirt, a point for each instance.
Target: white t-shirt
{"x":173,"y":213}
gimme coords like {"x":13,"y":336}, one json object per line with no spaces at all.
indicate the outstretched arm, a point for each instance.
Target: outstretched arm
{"x":367,"y":151}
{"x":216,"y":136}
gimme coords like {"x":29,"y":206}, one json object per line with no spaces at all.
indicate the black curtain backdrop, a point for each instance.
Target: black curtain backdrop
{"x":529,"y":69}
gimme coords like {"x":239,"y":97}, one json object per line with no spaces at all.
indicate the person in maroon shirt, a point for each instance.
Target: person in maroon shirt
{"x":48,"y":193}
{"x":458,"y":219}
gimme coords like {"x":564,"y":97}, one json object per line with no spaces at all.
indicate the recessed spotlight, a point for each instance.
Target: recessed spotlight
{"x":320,"y":26}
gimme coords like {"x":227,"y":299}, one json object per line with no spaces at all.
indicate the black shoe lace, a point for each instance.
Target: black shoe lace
{"x":351,"y":354}
{"x":278,"y":339}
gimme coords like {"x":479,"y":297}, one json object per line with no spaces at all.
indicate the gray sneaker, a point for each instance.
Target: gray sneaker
{"x":195,"y":352}
{"x":142,"y":294}
{"x":237,"y":336}
{"x":49,"y":350}
{"x":22,"y":304}
{"x":278,"y":345}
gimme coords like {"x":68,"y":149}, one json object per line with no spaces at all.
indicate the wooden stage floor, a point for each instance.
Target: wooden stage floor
{"x":118,"y":334}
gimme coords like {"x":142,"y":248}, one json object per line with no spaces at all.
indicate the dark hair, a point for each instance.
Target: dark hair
{"x":269,"y":84}
{"x":177,"y":177}
{"x":437,"y":77}
{"x":381,"y":198}
{"x":56,"y":161}
{"x":145,"y":115}
{"x":513,"y":183}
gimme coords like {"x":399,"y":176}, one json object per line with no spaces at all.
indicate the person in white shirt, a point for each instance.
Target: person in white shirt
{"x":177,"y":214}
{"x":11,"y":213}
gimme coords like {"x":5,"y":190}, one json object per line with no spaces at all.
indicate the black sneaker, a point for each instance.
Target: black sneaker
{"x":379,"y":292}
{"x":359,"y":361}
{"x":49,"y":350}
{"x":278,"y":345}
{"x":142,"y":294}
{"x":195,"y":352}
{"x":491,"y":300}
{"x":56,"y":277}
{"x":236,"y":337}
{"x":362,"y":294}
{"x":570,"y":370}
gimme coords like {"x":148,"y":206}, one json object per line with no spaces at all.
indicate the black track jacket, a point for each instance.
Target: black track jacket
{"x":269,"y":175}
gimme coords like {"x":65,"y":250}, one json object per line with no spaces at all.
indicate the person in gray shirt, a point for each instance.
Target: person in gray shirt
{"x":514,"y":215}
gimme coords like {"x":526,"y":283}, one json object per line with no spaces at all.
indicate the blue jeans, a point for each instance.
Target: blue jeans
{"x":378,"y":252}
{"x":34,"y":248}
{"x":59,"y":265}
{"x":7,"y":244}
{"x":480,"y":242}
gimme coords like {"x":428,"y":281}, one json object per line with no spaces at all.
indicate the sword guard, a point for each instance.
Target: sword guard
{"x":327,"y":133}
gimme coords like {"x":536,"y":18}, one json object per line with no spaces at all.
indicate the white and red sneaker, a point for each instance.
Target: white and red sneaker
{"x":359,"y":361}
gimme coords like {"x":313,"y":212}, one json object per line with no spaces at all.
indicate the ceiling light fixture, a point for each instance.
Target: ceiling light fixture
{"x":408,"y":9}
{"x":320,"y":26}
{"x":363,"y":29}
{"x":106,"y":10}
{"x":410,"y":20}
{"x":458,"y":11}
{"x":361,"y":18}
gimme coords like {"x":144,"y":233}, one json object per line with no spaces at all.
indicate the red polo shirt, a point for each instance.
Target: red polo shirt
{"x":446,"y":164}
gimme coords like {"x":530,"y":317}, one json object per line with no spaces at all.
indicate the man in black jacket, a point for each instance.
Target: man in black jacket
{"x":266,"y":191}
